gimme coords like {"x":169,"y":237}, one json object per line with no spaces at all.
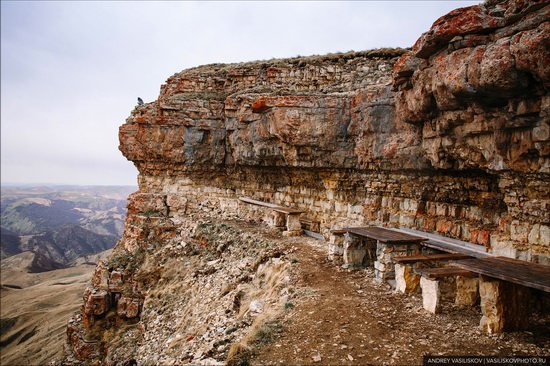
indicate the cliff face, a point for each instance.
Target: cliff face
{"x":476,"y":85}
{"x":313,"y":113}
{"x":451,"y":137}
{"x":454,"y":140}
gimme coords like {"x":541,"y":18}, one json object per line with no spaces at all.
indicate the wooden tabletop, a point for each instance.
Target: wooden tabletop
{"x":430,"y":258}
{"x":384,"y":235}
{"x":512,"y":270}
{"x":287,"y":210}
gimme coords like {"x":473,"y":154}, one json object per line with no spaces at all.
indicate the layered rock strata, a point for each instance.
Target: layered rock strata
{"x":451,"y":137}
{"x":455,"y":140}
{"x":476,"y":85}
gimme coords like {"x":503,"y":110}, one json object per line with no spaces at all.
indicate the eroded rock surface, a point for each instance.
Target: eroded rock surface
{"x":451,"y":137}
{"x":454,"y":140}
{"x":477,"y":85}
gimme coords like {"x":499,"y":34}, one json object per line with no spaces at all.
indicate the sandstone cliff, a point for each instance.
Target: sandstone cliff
{"x":455,"y":142}
{"x":450,"y":137}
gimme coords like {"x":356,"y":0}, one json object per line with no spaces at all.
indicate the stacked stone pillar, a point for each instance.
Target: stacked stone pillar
{"x":336,"y":244}
{"x":357,"y":250}
{"x":505,"y":306}
{"x":293,"y":225}
{"x":406,"y":281}
{"x":384,"y":266}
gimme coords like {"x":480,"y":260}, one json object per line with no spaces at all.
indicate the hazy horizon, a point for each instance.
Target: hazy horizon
{"x":71,"y":71}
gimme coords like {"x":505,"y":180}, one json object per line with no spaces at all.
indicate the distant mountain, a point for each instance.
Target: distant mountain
{"x":61,"y":223}
{"x":31,"y":262}
{"x":68,"y":242}
{"x":34,"y":215}
{"x":10,"y":243}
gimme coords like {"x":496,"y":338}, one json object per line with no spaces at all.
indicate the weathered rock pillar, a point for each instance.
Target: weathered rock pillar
{"x":505,"y":306}
{"x":354,"y":252}
{"x":293,"y":225}
{"x":431,"y":295}
{"x":406,"y":281}
{"x":467,"y":290}
{"x":384,"y":266}
{"x":336,"y":245}
{"x":82,"y":349}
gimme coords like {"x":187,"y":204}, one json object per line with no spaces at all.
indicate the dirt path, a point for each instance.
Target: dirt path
{"x":345,"y":318}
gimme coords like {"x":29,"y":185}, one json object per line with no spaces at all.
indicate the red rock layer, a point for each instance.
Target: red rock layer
{"x":452,"y":137}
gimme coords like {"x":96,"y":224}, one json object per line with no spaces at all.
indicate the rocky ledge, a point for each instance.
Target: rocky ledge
{"x":451,"y":137}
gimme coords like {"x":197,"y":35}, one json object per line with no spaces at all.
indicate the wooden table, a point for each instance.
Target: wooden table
{"x":512,"y":309}
{"x":384,"y":235}
{"x":511,"y":270}
{"x":387,"y":244}
{"x":292,"y":215}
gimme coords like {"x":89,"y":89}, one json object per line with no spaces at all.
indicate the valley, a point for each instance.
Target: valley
{"x":62,"y":223}
{"x":35,"y":306}
{"x":51,"y":239}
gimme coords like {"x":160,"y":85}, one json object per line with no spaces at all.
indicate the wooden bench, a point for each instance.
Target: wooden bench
{"x":430,"y":258}
{"x":258,"y":203}
{"x":288,"y":215}
{"x":505,"y":282}
{"x":287,"y":210}
{"x":523,"y":273}
{"x":379,"y":245}
{"x":384,"y":235}
{"x":449,"y":245}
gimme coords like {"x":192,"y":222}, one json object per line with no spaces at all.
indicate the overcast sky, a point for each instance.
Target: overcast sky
{"x":71,"y":71}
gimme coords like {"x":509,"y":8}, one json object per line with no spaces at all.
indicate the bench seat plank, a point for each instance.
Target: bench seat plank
{"x":384,"y":235}
{"x":435,"y":273}
{"x":450,"y":245}
{"x":258,"y":203}
{"x":287,"y":210}
{"x":512,"y":270}
{"x":431,"y":257}
{"x":274,"y":207}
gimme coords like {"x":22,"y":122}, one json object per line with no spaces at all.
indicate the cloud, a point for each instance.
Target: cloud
{"x":71,"y":71}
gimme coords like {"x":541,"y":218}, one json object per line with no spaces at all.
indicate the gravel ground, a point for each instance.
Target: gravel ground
{"x":345,"y":318}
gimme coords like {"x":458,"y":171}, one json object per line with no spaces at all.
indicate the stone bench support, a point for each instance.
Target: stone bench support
{"x":336,"y":245}
{"x":431,"y":295}
{"x":465,"y":292}
{"x":276,"y":219}
{"x":505,"y":290}
{"x":355,"y":251}
{"x":406,"y":281}
{"x":504,"y":305}
{"x":384,"y":266}
{"x":293,"y":225}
